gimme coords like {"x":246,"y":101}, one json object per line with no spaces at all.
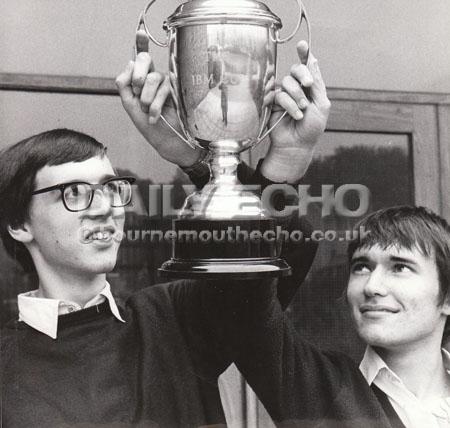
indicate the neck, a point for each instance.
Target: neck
{"x":73,"y":287}
{"x":420,"y":367}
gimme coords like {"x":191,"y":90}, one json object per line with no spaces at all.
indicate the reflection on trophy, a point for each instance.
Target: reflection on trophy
{"x":230,"y":78}
{"x":222,"y":68}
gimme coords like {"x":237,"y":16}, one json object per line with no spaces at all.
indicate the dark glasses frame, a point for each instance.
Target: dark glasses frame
{"x":62,"y":187}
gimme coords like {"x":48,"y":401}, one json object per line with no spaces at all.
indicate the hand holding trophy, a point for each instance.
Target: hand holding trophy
{"x":222,"y":68}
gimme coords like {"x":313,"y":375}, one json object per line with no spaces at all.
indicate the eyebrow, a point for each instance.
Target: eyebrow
{"x":102,"y":179}
{"x":395,"y":259}
{"x":359,"y":259}
{"x":402,"y":260}
{"x":105,"y":178}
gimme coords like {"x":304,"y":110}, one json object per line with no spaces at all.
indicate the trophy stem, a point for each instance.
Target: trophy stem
{"x":223,"y":163}
{"x":224,"y":197}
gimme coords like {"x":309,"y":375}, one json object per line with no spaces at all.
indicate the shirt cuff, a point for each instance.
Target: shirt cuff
{"x":199,"y":174}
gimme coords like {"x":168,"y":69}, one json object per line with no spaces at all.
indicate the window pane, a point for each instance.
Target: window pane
{"x":383,"y":163}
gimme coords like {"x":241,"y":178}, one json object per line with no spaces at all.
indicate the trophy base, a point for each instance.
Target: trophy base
{"x":225,"y":269}
{"x":225,"y":249}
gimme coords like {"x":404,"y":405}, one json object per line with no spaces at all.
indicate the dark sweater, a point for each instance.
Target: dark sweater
{"x":301,"y":385}
{"x":160,"y":368}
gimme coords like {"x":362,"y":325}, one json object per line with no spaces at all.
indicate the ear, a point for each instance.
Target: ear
{"x":21,"y":233}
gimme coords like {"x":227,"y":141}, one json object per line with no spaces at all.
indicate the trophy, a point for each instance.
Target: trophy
{"x":222,"y":70}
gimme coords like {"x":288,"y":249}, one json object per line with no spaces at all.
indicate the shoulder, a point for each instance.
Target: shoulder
{"x":160,"y":293}
{"x":164,"y":296}
{"x":345,"y":367}
{"x":9,"y":337}
{"x":326,"y":366}
{"x":164,"y":307}
{"x":11,"y":329}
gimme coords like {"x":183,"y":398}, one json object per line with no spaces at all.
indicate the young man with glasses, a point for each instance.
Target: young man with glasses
{"x":76,"y":356}
{"x":58,"y":223}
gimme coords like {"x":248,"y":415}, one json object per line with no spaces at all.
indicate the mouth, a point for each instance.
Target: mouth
{"x":377,"y":309}
{"x":98,"y":234}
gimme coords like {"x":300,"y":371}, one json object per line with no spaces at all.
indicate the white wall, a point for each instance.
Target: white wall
{"x":383,"y":44}
{"x":23,"y":114}
{"x":386,"y":45}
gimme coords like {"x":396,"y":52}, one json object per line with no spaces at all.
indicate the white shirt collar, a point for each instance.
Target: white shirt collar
{"x":42,"y":314}
{"x":414,"y":413}
{"x":372,"y":364}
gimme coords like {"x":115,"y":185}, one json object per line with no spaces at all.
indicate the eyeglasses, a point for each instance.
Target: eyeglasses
{"x":78,"y":195}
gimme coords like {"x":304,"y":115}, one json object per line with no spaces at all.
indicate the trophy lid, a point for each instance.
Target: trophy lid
{"x":196,"y":12}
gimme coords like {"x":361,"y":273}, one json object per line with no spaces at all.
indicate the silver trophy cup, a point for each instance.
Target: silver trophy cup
{"x":222,"y":68}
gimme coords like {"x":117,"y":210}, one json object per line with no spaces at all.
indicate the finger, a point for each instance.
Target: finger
{"x":293,"y":89}
{"x":270,"y":72}
{"x":275,"y":105}
{"x":269,"y":98}
{"x":287,"y":102}
{"x":318,"y":88}
{"x":142,"y":66}
{"x":142,"y":41}
{"x":270,"y":85}
{"x":303,"y":51}
{"x":302,"y":74}
{"x":123,"y":84}
{"x":151,"y":85}
{"x":159,"y":100}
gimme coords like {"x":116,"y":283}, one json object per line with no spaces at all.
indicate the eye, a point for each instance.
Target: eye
{"x":75,"y":190}
{"x":72,"y":191}
{"x":119,"y":190}
{"x":360,"y":268}
{"x":401,"y":268}
{"x":112,"y":186}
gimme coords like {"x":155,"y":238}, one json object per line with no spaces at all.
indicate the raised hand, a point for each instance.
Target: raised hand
{"x":294,"y":139}
{"x":145,"y":94}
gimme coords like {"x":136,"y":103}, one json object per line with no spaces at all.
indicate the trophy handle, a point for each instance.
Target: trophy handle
{"x":181,"y":137}
{"x":269,"y":130}
{"x":302,"y":16}
{"x":144,"y":25}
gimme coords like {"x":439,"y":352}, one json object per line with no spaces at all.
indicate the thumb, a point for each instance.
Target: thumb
{"x":142,"y":41}
{"x":303,"y":51}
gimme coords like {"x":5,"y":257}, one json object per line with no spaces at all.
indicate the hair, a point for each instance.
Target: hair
{"x":409,"y":227}
{"x":19,"y":165}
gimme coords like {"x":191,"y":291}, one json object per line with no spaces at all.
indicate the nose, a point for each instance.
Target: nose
{"x":101,"y":204}
{"x":375,"y":284}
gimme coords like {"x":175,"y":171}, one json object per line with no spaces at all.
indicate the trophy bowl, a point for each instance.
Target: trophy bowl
{"x":222,"y":71}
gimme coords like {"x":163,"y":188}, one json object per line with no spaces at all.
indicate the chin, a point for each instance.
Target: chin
{"x":103,"y":266}
{"x":373,"y":337}
{"x":109,"y":267}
